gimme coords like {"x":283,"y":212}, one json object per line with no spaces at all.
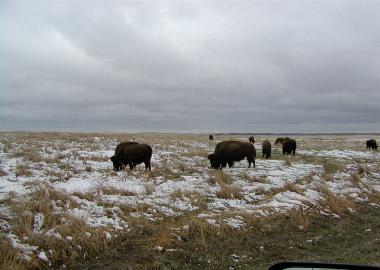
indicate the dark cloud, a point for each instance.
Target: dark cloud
{"x":190,"y":66}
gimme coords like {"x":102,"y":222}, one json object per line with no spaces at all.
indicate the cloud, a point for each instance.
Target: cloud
{"x":255,"y":66}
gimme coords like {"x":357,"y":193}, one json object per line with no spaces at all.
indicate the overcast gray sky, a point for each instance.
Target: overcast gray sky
{"x":190,"y":66}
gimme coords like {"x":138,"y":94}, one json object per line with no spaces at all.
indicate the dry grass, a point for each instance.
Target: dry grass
{"x":22,"y":169}
{"x":355,"y":178}
{"x":176,"y":193}
{"x":330,"y":167}
{"x":220,"y":177}
{"x":3,"y":173}
{"x":52,"y":160}
{"x":43,"y":201}
{"x":337,"y":204}
{"x":139,"y":208}
{"x":251,"y":178}
{"x":262,"y":191}
{"x":149,"y":189}
{"x":307,"y":178}
{"x":107,"y":190}
{"x":163,"y":170}
{"x":300,"y":217}
{"x":88,"y":168}
{"x":9,"y":257}
{"x":288,"y":186}
{"x":293,"y":187}
{"x":229,"y":192}
{"x":89,"y":196}
{"x":196,"y":153}
{"x":32,"y":156}
{"x":287,"y":161}
{"x":374,"y":197}
{"x":184,"y":168}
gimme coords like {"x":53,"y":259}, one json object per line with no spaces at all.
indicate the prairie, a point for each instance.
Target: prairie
{"x":63,"y":206}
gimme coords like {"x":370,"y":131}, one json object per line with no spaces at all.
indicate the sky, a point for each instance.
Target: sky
{"x":190,"y":66}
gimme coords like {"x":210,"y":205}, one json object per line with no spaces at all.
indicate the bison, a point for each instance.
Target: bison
{"x":279,"y":140}
{"x":228,"y":152}
{"x":289,"y":146}
{"x":251,"y":139}
{"x":122,"y":145}
{"x":266,"y":149}
{"x":210,"y":137}
{"x":371,"y":144}
{"x":131,"y":153}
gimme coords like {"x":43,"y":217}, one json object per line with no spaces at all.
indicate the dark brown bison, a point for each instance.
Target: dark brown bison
{"x":122,"y":145}
{"x":371,"y":144}
{"x":131,"y":153}
{"x":228,"y":152}
{"x":289,"y":146}
{"x":266,"y":149}
{"x":251,"y":139}
{"x":210,"y":137}
{"x":279,"y":140}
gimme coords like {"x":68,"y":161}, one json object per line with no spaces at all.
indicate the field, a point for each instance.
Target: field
{"x":62,"y":206}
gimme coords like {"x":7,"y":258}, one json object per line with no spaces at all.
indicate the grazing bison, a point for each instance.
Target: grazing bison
{"x":131,"y":153}
{"x":371,"y":144}
{"x":289,"y":146}
{"x":228,"y":152}
{"x":122,"y":145}
{"x":266,"y":149}
{"x":210,"y":137}
{"x":251,"y":139}
{"x":279,"y":140}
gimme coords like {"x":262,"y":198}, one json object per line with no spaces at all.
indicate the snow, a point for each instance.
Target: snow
{"x":42,"y":256}
{"x":344,"y":154}
{"x":82,"y":170}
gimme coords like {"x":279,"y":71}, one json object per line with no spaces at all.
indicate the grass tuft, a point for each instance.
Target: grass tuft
{"x":287,"y":161}
{"x":3,"y":173}
{"x":22,"y":169}
{"x":220,"y":177}
{"x":335,"y":203}
{"x":229,"y":192}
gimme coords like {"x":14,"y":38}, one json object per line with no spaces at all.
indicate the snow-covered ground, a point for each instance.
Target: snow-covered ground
{"x":180,"y":182}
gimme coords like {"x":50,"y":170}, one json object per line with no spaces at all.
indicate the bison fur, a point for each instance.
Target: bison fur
{"x":228,"y":152}
{"x":131,"y":153}
{"x":371,"y":144}
{"x":266,"y":149}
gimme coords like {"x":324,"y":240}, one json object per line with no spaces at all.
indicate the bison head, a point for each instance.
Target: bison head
{"x":279,"y":140}
{"x":214,"y":161}
{"x":117,"y":164}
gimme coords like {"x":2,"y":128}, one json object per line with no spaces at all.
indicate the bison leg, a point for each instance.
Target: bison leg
{"x":131,"y":165}
{"x":251,"y":160}
{"x":230,"y":164}
{"x":147,"y":165}
{"x":222,"y":165}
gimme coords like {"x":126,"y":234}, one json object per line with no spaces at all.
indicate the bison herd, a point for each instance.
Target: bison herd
{"x":226,"y":152}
